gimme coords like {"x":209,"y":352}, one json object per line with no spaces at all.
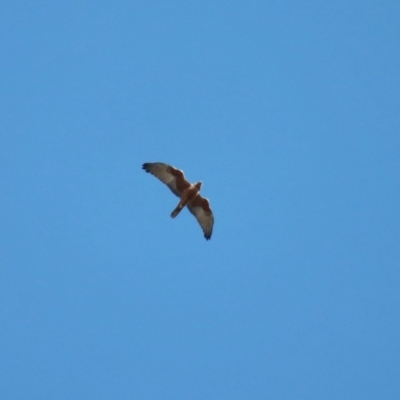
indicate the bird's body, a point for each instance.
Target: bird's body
{"x":187,"y":197}
{"x":188,"y":193}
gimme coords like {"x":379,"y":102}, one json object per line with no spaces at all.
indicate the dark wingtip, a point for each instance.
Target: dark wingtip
{"x":144,"y":166}
{"x":208,"y":237}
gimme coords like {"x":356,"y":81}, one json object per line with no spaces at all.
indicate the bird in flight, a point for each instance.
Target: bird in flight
{"x":188,"y":193}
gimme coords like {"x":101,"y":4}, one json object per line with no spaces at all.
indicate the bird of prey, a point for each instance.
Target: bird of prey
{"x":188,"y":193}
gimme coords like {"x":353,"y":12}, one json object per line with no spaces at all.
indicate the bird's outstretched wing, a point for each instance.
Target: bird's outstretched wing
{"x":172,"y":177}
{"x":200,"y":208}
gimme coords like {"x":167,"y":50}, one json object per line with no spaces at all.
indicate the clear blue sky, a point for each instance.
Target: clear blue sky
{"x":289,"y":114}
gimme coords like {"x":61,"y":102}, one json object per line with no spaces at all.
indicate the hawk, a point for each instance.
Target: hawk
{"x":188,"y":193}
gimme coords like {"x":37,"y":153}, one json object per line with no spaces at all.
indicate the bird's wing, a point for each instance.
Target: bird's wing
{"x":200,"y":208}
{"x":172,"y":177}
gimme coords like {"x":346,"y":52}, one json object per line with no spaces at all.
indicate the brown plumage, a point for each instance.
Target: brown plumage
{"x":188,"y":193}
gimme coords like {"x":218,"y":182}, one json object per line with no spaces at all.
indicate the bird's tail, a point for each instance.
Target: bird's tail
{"x":176,"y":211}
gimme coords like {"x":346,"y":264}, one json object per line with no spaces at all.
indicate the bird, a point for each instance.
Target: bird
{"x":188,"y":193}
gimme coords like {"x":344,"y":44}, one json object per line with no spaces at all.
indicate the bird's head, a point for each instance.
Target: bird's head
{"x":198,"y":185}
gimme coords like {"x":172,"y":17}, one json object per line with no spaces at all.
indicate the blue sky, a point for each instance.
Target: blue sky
{"x":289,"y":114}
